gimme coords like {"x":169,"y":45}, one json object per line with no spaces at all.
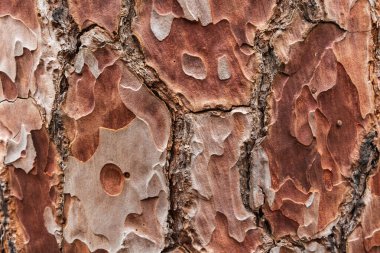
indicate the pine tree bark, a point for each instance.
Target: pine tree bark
{"x":189,"y":126}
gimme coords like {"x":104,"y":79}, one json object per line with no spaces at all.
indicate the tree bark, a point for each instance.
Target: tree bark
{"x":189,"y":126}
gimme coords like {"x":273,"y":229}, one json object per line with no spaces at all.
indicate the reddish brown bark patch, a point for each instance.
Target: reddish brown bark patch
{"x":207,"y":43}
{"x":112,"y":179}
{"x":305,"y":143}
{"x":37,"y":191}
{"x":105,"y":106}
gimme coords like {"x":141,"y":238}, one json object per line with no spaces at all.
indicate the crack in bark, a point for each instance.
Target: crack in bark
{"x":260,"y":106}
{"x":368,"y":160}
{"x":67,"y":29}
{"x":7,"y":240}
{"x":179,"y":183}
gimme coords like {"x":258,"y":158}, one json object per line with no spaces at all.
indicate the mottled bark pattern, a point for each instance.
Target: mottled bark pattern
{"x":189,"y":126}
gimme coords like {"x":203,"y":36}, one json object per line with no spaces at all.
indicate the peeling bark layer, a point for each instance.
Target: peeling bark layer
{"x":189,"y":126}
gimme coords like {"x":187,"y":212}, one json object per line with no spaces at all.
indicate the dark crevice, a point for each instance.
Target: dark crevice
{"x":66,"y":28}
{"x":7,"y":243}
{"x":368,"y":160}
{"x":172,"y":237}
{"x":56,"y":126}
{"x":220,"y":109}
{"x":244,"y":165}
{"x":260,"y":106}
{"x":311,"y":10}
{"x":179,"y":183}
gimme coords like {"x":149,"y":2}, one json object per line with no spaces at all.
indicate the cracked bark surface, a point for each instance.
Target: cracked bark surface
{"x":189,"y":126}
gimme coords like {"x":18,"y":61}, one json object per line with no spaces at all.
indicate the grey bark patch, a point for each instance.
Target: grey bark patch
{"x":224,"y":72}
{"x":193,"y":66}
{"x":161,"y":25}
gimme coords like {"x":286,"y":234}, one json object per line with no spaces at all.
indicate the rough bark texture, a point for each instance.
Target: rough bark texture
{"x":189,"y":126}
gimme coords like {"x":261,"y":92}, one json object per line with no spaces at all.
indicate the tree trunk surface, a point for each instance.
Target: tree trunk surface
{"x":177,"y":126}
